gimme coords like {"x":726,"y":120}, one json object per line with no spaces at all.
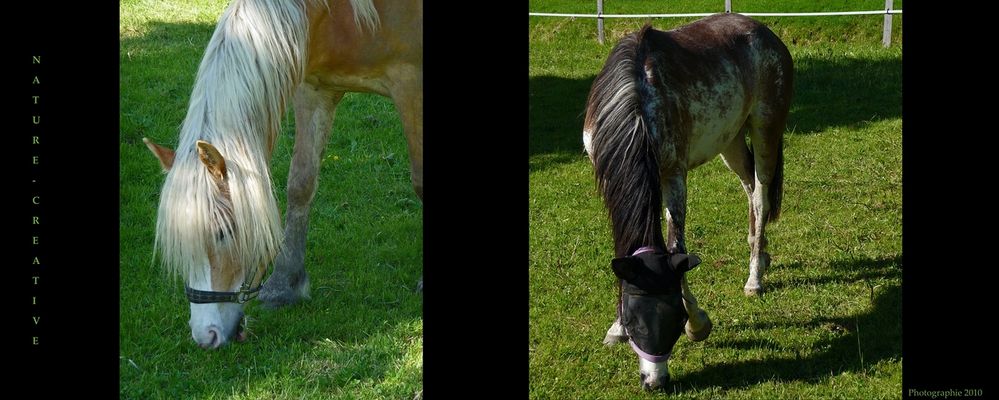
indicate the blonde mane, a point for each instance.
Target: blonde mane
{"x":252,"y":64}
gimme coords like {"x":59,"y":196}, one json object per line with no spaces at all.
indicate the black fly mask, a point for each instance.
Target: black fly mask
{"x":651,"y":307}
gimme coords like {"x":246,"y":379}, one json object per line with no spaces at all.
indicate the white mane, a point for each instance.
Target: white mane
{"x":253,"y":62}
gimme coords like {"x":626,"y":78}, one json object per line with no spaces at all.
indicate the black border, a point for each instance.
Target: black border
{"x":947,"y":238}
{"x":475,"y":202}
{"x":475,"y":211}
{"x":77,"y":179}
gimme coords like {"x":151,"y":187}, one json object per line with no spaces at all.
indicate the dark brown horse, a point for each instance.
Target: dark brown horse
{"x":665,"y":103}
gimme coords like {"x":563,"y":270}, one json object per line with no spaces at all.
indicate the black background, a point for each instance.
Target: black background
{"x":475,"y":208}
{"x":77,"y":179}
{"x":948,"y":282}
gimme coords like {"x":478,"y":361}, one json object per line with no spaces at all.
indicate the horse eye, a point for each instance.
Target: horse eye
{"x":221,"y":235}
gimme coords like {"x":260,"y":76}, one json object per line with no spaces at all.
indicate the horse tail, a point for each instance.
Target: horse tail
{"x":784,"y":93}
{"x":625,"y":144}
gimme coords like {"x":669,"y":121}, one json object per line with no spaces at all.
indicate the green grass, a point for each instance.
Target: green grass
{"x":361,"y":334}
{"x":830,"y":325}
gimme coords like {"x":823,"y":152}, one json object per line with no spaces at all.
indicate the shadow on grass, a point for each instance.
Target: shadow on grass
{"x":847,"y":272}
{"x":748,"y":344}
{"x":829,"y":92}
{"x":858,"y":341}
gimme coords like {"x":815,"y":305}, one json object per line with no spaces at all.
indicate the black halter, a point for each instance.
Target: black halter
{"x":244,"y":294}
{"x":204,"y":297}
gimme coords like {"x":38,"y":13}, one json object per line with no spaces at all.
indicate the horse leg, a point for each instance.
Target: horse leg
{"x":675,"y":200}
{"x":407,"y":94}
{"x":314,"y":112}
{"x":739,"y":159}
{"x":766,"y":134}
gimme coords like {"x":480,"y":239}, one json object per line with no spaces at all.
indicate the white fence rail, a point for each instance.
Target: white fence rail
{"x":885,"y":39}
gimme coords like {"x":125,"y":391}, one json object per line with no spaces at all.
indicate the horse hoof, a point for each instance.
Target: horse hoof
{"x":703,"y":329}
{"x":273,"y":300}
{"x":611,"y":340}
{"x":753,"y":291}
{"x":615,"y":334}
{"x":274,"y":295}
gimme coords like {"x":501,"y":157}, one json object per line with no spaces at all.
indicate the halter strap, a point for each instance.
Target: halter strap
{"x":244,"y":294}
{"x":649,"y":357}
{"x":204,"y":297}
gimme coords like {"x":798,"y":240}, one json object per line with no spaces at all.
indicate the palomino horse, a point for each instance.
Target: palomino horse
{"x":218,"y":224}
{"x":664,"y":103}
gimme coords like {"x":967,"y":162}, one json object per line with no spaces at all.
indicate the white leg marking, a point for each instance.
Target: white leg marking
{"x":615,"y":334}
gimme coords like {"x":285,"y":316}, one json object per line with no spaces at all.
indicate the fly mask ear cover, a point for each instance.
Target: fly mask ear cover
{"x":652,"y":310}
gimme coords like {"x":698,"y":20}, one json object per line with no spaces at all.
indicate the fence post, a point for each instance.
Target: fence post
{"x":600,"y":21}
{"x":728,"y":6}
{"x":886,"y":37}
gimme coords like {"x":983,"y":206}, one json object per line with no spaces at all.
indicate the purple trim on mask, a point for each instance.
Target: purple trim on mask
{"x":645,"y":249}
{"x":647,"y":356}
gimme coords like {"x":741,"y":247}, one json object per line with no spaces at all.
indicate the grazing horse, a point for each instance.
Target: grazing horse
{"x":665,"y":103}
{"x":218,"y":225}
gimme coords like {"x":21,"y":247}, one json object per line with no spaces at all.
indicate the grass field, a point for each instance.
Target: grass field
{"x":830,"y":324}
{"x":361,"y":334}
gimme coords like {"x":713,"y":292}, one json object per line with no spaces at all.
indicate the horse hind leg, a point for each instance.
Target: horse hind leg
{"x":766,"y":133}
{"x":739,"y":159}
{"x":314,"y":112}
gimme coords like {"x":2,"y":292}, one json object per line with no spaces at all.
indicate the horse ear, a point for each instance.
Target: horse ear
{"x":163,"y":154}
{"x":625,"y":267}
{"x":213,"y":160}
{"x":684,"y":262}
